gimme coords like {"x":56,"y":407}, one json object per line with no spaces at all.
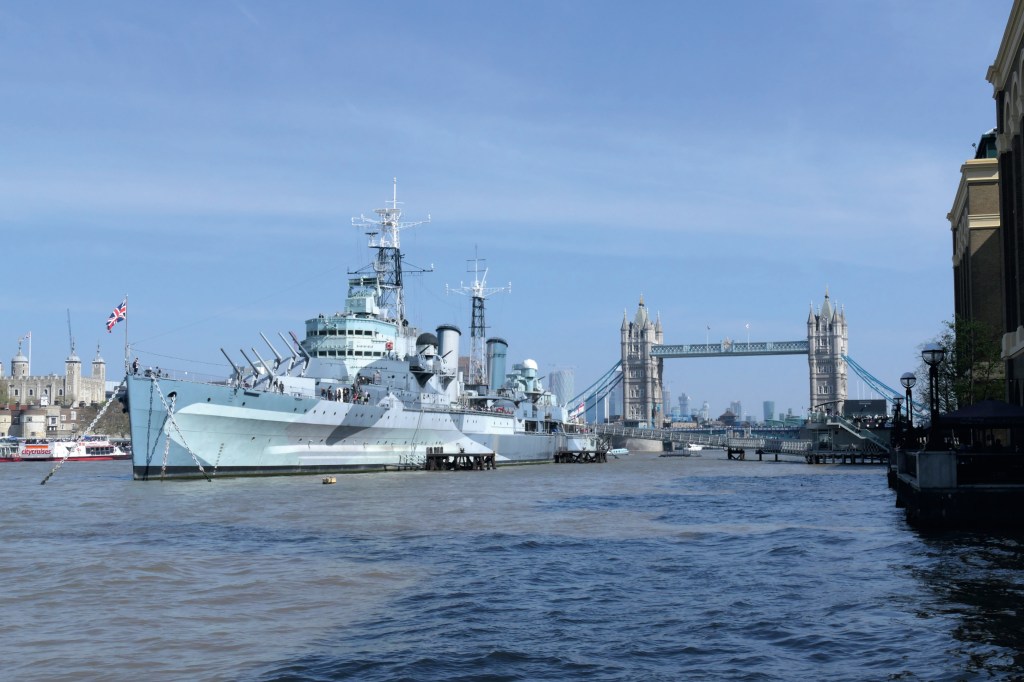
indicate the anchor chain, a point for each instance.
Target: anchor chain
{"x":170,"y":417}
{"x":99,"y":415}
{"x":167,"y":443}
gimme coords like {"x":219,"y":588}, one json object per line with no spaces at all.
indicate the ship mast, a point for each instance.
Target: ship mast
{"x":479,"y":291}
{"x":383,"y":233}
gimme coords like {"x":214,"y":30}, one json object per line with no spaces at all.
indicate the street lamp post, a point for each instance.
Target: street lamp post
{"x":897,"y":436}
{"x":908,"y":380}
{"x":933,"y":354}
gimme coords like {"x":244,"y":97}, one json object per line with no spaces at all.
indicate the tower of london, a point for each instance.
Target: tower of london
{"x":54,"y":389}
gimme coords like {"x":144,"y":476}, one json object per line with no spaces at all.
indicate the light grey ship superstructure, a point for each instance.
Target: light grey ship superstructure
{"x":363,"y":391}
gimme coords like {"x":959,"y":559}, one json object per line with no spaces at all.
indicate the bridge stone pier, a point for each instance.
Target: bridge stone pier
{"x":644,"y":353}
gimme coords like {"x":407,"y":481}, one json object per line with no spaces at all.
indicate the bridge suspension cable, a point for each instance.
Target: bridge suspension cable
{"x":602,"y":391}
{"x":880,"y":387}
{"x":600,"y":388}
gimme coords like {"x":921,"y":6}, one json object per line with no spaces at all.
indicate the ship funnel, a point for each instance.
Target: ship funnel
{"x":497,"y":351}
{"x":448,"y":337}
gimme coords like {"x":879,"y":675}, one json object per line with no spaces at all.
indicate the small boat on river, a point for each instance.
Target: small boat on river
{"x":86,"y":449}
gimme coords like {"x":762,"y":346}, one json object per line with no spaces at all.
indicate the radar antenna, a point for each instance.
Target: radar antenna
{"x":479,"y":291}
{"x":383,"y":232}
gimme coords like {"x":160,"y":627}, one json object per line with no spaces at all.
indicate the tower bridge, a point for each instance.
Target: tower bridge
{"x":644,"y":352}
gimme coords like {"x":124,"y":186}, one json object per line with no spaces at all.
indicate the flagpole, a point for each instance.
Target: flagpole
{"x":126,"y":333}
{"x":30,"y":353}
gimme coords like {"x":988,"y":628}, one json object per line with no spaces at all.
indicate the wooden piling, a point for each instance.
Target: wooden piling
{"x":460,"y":461}
{"x":581,"y":456}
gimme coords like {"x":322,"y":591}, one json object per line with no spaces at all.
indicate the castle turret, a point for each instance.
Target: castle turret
{"x":19,"y":364}
{"x":73,"y":377}
{"x":99,"y":368}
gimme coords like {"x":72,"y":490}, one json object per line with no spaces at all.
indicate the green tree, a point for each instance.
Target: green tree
{"x":3,"y":394}
{"x":972,"y":369}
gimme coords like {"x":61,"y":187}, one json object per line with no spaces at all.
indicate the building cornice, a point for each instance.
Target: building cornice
{"x":983,"y":221}
{"x":974,"y":171}
{"x":1013,"y":344}
{"x":981,"y":169}
{"x":1006,"y":57}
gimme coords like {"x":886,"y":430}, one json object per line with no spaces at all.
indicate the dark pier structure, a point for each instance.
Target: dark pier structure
{"x":581,"y":456}
{"x":440,"y":461}
{"x":971,"y":473}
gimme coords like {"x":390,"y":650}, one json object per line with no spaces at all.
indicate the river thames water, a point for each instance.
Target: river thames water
{"x":644,"y":568}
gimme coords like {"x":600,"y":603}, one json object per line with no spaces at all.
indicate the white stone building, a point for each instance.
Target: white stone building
{"x":71,"y":388}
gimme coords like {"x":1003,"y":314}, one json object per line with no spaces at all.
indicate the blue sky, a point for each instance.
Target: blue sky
{"x":726,"y":160}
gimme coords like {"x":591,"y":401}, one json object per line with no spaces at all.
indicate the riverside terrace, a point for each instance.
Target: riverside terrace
{"x":971,"y":473}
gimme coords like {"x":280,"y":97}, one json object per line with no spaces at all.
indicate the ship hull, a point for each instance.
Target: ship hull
{"x":242,"y":432}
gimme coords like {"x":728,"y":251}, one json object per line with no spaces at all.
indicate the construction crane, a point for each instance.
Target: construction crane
{"x":71,"y":338}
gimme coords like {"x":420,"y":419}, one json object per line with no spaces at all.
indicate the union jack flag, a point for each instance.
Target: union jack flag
{"x":120,"y":313}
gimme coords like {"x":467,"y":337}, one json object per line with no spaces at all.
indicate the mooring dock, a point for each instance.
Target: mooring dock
{"x":581,"y":456}
{"x":460,"y":461}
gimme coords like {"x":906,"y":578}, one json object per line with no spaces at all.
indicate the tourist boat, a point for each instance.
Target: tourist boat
{"x":364,"y":390}
{"x":618,"y":452}
{"x":688,"y":450}
{"x":88,"y":448}
{"x":9,"y":450}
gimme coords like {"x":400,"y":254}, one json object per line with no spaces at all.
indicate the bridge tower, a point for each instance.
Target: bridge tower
{"x":826,"y":345}
{"x":641,"y":370}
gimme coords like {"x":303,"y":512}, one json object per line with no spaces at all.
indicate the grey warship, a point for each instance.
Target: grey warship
{"x":363,"y":391}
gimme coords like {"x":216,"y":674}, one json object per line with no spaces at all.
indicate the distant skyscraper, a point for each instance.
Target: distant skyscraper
{"x":769,"y":410}
{"x":684,"y":406}
{"x":562,"y":382}
{"x":591,"y":408}
{"x":737,"y":409}
{"x":705,"y":411}
{"x":615,"y":404}
{"x":666,"y":397}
